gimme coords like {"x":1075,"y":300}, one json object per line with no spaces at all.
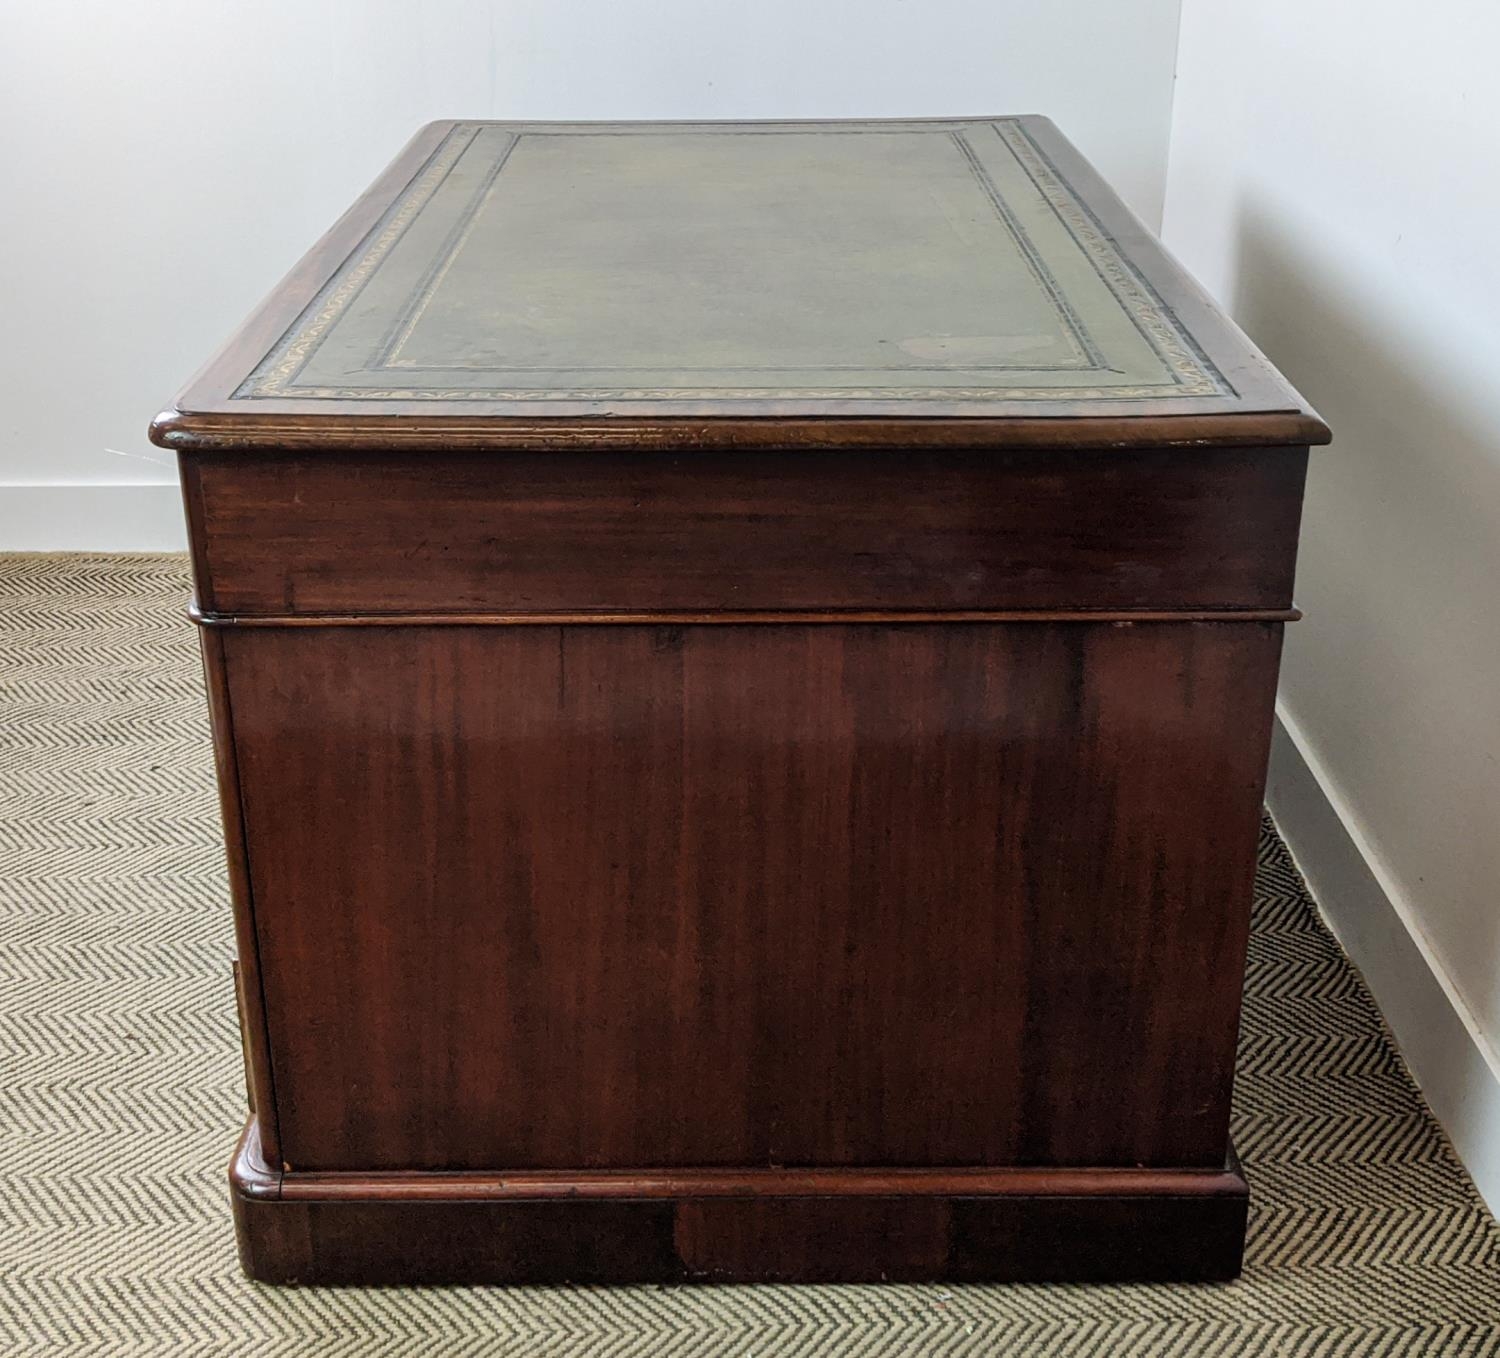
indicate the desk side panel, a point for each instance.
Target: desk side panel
{"x":552,"y":896}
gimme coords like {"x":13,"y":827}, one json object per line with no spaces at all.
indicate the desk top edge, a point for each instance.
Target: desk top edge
{"x":1261,"y":408}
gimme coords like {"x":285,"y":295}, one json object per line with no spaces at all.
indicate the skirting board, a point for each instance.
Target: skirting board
{"x":121,"y":517}
{"x":1443,"y":1047}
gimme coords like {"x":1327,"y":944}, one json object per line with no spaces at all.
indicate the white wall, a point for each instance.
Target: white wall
{"x":1335,"y":177}
{"x":164,"y":162}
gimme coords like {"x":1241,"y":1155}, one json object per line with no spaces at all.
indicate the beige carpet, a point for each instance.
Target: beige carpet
{"x":120,"y":1092}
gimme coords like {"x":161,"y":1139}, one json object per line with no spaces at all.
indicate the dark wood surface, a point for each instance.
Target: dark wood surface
{"x":336,"y":533}
{"x":784,"y":839}
{"x":752,"y":895}
{"x":249,"y":990}
{"x":710,"y":1226}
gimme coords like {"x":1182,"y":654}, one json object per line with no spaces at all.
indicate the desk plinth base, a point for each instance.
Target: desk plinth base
{"x":738,"y":1226}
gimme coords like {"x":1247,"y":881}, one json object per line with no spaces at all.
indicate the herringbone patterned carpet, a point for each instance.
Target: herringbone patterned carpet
{"x":120,"y":1092}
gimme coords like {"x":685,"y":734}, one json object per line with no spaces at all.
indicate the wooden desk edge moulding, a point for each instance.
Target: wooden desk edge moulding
{"x":740,"y":756}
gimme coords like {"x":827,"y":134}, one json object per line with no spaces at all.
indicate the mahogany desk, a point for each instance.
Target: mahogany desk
{"x":741,"y":660}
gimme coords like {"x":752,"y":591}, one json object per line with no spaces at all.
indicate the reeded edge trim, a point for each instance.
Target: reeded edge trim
{"x":603,"y":430}
{"x":739,"y":618}
{"x":252,"y":1178}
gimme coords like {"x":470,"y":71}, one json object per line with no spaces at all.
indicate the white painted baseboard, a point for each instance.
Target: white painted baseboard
{"x":91,"y":518}
{"x":1447,"y":1053}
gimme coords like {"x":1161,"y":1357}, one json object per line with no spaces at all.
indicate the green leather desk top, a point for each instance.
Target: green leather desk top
{"x":924,"y":269}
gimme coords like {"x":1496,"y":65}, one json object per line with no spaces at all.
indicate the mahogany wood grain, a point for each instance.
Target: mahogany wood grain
{"x":677,"y":896}
{"x":250,"y":1001}
{"x":742,"y":618}
{"x":461,"y":533}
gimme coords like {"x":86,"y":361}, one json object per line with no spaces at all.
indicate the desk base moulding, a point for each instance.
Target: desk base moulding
{"x":728,"y":1226}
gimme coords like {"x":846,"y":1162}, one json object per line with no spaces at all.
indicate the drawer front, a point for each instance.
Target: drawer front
{"x":547,"y":533}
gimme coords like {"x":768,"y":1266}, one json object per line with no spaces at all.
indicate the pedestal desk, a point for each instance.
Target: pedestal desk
{"x":741,"y":661}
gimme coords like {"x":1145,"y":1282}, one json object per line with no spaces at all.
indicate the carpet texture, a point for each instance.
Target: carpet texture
{"x":120,"y":1092}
